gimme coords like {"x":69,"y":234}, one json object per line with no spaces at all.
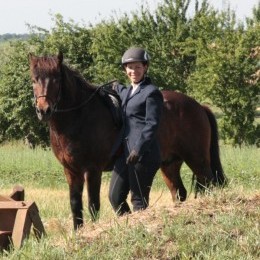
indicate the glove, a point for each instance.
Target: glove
{"x":132,"y":158}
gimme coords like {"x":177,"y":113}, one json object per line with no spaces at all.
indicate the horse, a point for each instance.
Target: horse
{"x":83,"y":133}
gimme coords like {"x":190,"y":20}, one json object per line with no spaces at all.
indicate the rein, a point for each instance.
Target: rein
{"x":80,"y":105}
{"x":55,"y":110}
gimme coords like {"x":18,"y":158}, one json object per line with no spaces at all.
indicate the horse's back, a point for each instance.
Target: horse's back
{"x":184,"y":128}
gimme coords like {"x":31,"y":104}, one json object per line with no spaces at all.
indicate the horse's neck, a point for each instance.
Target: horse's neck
{"x":75,"y":95}
{"x":74,"y":90}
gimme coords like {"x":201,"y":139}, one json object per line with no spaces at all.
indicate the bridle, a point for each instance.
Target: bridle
{"x":55,"y":104}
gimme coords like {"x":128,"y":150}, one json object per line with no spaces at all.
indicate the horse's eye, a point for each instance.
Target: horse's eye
{"x":35,"y":80}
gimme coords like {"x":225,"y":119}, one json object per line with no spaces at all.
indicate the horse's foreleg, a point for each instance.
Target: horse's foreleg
{"x":172,"y":178}
{"x":93,"y":182}
{"x":76,"y":183}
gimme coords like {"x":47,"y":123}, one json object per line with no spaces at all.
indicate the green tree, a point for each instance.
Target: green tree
{"x":70,"y":38}
{"x":224,"y":75}
{"x":208,"y":56}
{"x":163,"y":34}
{"x":108,"y":44}
{"x":18,"y":118}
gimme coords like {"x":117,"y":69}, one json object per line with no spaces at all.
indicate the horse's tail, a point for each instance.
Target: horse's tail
{"x":215,"y":163}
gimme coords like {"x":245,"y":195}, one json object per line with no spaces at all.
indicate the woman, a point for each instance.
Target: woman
{"x":136,"y":167}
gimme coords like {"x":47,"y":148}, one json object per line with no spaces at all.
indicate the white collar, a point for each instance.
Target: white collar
{"x":134,"y":87}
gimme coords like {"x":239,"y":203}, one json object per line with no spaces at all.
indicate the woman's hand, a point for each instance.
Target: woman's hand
{"x":132,"y":158}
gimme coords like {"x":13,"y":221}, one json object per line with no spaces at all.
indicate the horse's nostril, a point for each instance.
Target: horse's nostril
{"x":48,"y":111}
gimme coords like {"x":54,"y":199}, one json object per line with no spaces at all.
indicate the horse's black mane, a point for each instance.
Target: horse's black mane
{"x":74,"y":76}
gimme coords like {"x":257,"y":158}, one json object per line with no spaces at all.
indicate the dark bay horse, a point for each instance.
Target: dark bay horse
{"x":82,"y":134}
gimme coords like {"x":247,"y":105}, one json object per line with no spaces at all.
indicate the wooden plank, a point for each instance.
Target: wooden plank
{"x":5,"y":198}
{"x":7,"y":218}
{"x":22,"y":226}
{"x":15,"y":204}
{"x":17,"y":217}
{"x":38,"y":227}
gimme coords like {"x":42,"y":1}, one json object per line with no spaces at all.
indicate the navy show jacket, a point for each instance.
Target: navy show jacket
{"x":141,"y":114}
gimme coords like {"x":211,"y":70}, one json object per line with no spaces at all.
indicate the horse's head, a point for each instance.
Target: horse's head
{"x":46,"y":79}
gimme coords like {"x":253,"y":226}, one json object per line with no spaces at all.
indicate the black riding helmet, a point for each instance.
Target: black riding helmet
{"x":135,"y":54}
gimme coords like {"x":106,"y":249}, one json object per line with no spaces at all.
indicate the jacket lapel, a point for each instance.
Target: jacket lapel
{"x":127,"y":96}
{"x":136,"y":92}
{"x":140,"y":87}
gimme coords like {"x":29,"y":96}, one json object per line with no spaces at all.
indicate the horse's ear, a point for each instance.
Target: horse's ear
{"x":30,"y":56}
{"x":60,"y":57}
{"x":32,"y":59}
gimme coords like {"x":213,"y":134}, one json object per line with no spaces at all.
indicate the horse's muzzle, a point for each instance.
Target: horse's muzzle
{"x":44,"y":114}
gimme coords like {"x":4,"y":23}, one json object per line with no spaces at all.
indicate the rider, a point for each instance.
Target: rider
{"x":137,"y":165}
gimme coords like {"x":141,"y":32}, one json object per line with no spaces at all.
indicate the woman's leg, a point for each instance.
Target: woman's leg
{"x":141,"y":179}
{"x":119,"y":187}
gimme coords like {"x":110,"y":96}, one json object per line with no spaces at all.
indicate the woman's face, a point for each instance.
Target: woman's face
{"x":135,"y":71}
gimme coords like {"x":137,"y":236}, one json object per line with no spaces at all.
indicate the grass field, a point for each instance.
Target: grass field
{"x":223,"y":224}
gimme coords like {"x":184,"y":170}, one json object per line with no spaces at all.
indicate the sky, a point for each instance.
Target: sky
{"x":16,"y":14}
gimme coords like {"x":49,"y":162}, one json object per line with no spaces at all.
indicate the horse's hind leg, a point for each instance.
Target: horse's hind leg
{"x":76,"y":183}
{"x":204,"y":176}
{"x":172,"y":178}
{"x":93,"y":182}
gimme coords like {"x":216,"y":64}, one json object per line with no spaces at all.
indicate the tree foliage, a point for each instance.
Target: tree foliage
{"x":226,"y":75}
{"x":208,"y":55}
{"x":18,"y":118}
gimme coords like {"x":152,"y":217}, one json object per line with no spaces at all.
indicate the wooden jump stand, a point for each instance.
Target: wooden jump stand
{"x":16,"y":218}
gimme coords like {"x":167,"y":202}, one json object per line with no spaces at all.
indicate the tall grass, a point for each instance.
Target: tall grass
{"x":19,"y":164}
{"x":223,"y":224}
